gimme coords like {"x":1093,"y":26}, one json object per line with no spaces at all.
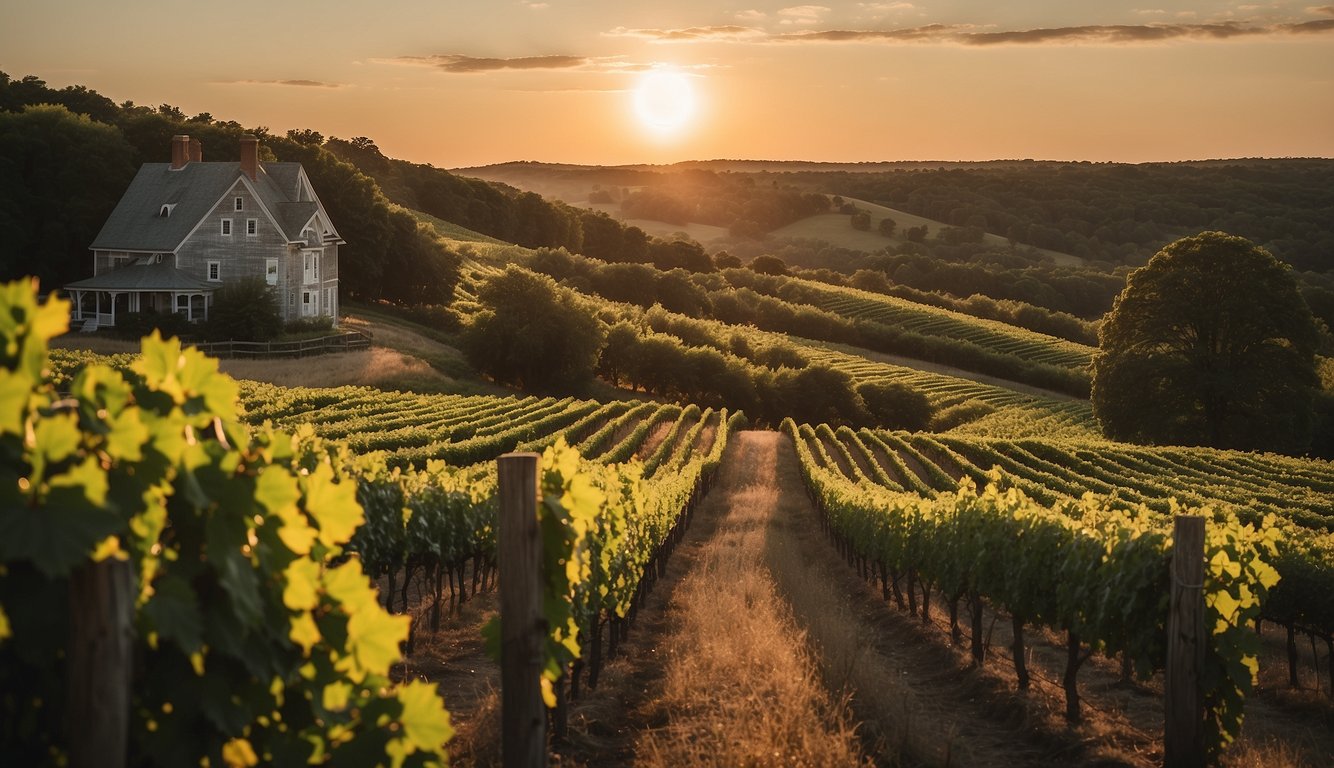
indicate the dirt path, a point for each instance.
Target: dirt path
{"x":753,"y":646}
{"x":717,"y":672}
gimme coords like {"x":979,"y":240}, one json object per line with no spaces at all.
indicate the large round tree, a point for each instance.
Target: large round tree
{"x":1210,"y":343}
{"x":533,"y":333}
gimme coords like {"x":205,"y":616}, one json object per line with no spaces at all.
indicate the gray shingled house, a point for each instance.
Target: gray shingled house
{"x":184,"y":228}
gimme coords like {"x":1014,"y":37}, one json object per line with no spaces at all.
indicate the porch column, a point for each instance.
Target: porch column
{"x":113,"y":308}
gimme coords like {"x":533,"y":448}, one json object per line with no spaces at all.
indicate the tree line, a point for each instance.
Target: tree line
{"x":536,"y":334}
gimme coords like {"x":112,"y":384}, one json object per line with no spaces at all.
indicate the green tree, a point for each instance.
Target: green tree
{"x":60,"y":176}
{"x":896,"y":405}
{"x":1210,"y":343}
{"x":887,"y":226}
{"x":768,"y":265}
{"x":533,"y":333}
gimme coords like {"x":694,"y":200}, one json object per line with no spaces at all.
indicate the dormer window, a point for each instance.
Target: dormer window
{"x":166,"y":210}
{"x":238,"y":204}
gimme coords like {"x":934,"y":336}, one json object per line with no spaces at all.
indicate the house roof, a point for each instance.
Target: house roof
{"x":159,"y":276}
{"x":136,"y":223}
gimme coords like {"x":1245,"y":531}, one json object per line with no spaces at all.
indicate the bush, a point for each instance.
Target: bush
{"x":896,"y":406}
{"x":244,"y":310}
{"x":960,"y":414}
{"x":136,"y":325}
{"x":308,"y":325}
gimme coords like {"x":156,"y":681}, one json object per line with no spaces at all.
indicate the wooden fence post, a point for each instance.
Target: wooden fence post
{"x":97,"y":718}
{"x":1183,"y":727}
{"x":522,"y":626}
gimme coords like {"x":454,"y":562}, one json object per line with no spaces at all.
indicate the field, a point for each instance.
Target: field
{"x":795,"y":540}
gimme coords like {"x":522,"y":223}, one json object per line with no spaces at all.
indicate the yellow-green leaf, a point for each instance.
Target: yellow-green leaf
{"x":301,"y":592}
{"x":374,"y":635}
{"x":425,"y":722}
{"x":238,"y":753}
{"x":304,"y":632}
{"x":336,"y":695}
{"x":333,"y":506}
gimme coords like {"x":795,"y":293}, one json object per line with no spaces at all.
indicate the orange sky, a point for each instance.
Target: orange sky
{"x":458,"y":84}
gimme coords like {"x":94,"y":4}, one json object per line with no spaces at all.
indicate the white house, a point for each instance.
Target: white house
{"x":184,"y":228}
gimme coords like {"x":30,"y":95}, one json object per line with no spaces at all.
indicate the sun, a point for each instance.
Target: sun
{"x":664,"y":100}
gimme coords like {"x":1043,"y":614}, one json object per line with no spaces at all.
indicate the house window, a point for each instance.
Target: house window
{"x":328,"y":301}
{"x":251,"y":227}
{"x":310,"y":263}
{"x":271,"y":271}
{"x":310,"y":303}
{"x":238,"y":204}
{"x":214,"y":271}
{"x":227,"y":227}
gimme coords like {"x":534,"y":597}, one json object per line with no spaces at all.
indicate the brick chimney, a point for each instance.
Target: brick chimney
{"x":250,"y":156}
{"x":180,"y":151}
{"x":196,"y":151}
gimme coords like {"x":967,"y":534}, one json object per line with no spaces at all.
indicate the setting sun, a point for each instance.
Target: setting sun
{"x":664,"y":100}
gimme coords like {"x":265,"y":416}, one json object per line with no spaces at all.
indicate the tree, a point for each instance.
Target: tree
{"x":861,"y":220}
{"x":533,"y":333}
{"x":768,"y":265}
{"x":896,"y":405}
{"x":60,"y":176}
{"x":887,"y":226}
{"x":1210,"y":343}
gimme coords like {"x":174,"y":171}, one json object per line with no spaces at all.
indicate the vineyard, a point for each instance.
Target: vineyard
{"x":990,"y":335}
{"x":1095,"y":519}
{"x":391,"y":478}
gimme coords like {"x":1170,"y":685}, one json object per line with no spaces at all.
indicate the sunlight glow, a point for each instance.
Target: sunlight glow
{"x":664,"y":100}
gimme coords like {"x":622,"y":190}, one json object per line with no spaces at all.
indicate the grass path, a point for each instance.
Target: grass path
{"x":757,"y":650}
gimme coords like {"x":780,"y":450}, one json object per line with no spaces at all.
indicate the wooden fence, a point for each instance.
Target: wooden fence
{"x":342,"y":342}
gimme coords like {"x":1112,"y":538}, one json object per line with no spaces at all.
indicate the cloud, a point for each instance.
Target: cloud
{"x":751,"y":15}
{"x":1095,"y":34}
{"x":457,"y":63}
{"x":722,"y":33}
{"x":886,"y":7}
{"x":537,"y":6}
{"x":802,"y":14}
{"x":1325,"y":9}
{"x":461,"y":64}
{"x":294,"y":82}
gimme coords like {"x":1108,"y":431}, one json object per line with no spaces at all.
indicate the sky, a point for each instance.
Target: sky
{"x":460,"y":84}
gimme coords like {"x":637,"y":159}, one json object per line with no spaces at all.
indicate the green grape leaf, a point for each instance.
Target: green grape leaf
{"x":173,"y":612}
{"x":425,"y":722}
{"x":301,"y":592}
{"x":15,"y":390}
{"x":333,"y":506}
{"x":375,"y":636}
{"x":305,"y":632}
{"x":63,"y":532}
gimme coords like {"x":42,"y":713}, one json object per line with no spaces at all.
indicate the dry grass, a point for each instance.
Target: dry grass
{"x":377,"y":366}
{"x":740,"y":687}
{"x":102,"y":345}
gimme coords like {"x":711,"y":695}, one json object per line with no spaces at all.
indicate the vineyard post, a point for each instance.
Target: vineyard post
{"x":1183,"y":728}
{"x":101,"y":603}
{"x":523,"y":718}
